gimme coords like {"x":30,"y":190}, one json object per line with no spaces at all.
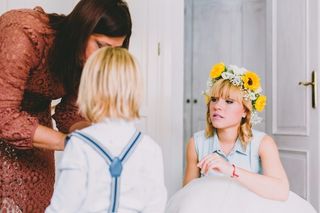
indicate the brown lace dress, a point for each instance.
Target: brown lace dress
{"x":26,"y":90}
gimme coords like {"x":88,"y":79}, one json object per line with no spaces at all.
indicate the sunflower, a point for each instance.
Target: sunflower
{"x":217,"y":69}
{"x":251,"y":81}
{"x":260,"y":103}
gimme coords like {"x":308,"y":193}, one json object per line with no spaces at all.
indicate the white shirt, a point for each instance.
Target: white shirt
{"x":84,"y":184}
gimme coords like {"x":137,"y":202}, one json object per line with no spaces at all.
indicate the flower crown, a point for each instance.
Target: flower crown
{"x":248,"y":81}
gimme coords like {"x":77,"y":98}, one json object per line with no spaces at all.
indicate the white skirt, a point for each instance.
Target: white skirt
{"x":224,"y":195}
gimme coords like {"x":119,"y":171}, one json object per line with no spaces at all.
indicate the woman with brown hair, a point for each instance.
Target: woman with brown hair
{"x":41,"y":59}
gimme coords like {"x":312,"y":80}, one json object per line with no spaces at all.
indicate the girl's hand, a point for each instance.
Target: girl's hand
{"x":215,"y":162}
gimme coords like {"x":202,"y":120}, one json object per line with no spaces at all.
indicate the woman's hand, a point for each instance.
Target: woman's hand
{"x":215,"y":162}
{"x":48,"y":138}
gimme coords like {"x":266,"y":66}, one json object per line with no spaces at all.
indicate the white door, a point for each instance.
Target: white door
{"x":293,"y":53}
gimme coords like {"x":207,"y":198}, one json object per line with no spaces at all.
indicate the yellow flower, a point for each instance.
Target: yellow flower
{"x":251,"y":81}
{"x":217,"y":69}
{"x":260,"y":103}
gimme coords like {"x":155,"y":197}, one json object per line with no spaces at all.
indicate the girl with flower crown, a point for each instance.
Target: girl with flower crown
{"x":229,"y":147}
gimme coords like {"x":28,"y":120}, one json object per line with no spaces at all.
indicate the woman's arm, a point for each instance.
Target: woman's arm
{"x":18,"y":56}
{"x":19,"y":128}
{"x":47,"y":138}
{"x":192,"y":171}
{"x":273,"y":184}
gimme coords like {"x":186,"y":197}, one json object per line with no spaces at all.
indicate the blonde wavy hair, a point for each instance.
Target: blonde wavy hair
{"x":223,"y":88}
{"x":110,"y":86}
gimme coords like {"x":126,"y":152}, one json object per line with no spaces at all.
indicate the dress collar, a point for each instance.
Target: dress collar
{"x":237,"y":147}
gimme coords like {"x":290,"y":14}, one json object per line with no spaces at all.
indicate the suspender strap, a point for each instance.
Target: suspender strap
{"x":130,"y":146}
{"x":95,"y":144}
{"x":115,"y":163}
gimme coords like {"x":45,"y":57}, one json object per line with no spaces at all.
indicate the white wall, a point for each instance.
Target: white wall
{"x":157,"y":42}
{"x":171,"y":15}
{"x":63,"y":7}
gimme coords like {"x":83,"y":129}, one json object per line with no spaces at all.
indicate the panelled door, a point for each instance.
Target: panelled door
{"x":292,"y":63}
{"x":232,"y":31}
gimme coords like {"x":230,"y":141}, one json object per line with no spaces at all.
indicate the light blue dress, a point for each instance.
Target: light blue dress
{"x":248,"y":158}
{"x":223,"y":194}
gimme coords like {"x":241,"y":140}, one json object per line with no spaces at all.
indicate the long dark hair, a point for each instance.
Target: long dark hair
{"x":108,"y":17}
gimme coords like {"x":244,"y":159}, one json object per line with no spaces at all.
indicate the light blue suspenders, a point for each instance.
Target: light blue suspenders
{"x":115,"y":163}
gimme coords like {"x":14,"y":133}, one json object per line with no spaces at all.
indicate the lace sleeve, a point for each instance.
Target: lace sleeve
{"x":66,"y":113}
{"x":18,"y":56}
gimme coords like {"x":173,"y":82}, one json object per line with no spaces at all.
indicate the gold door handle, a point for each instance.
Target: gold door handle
{"x":305,"y":83}
{"x":313,"y":84}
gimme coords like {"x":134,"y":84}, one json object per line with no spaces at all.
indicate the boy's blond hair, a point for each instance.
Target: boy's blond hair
{"x":110,"y":86}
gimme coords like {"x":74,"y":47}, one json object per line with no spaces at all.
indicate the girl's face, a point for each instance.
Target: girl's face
{"x":226,"y":113}
{"x":97,"y":41}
